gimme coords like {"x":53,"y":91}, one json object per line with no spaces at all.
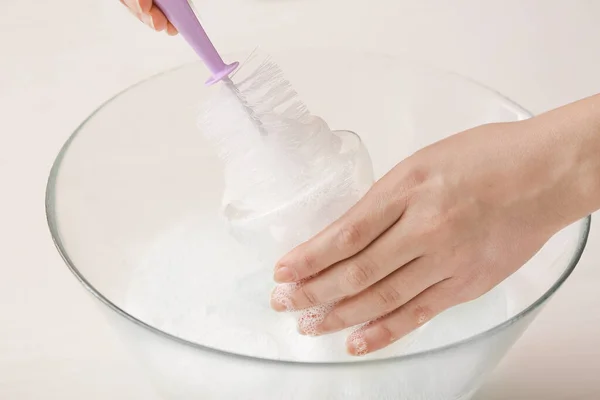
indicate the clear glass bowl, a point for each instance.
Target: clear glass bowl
{"x":139,"y":166}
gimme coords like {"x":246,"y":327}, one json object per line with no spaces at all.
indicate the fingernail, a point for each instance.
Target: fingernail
{"x":311,"y":319}
{"x":299,"y":329}
{"x":367,"y":338}
{"x":309,"y":322}
{"x":284,"y":275}
{"x":147,"y":19}
{"x":281,"y":298}
{"x":357,"y":345}
{"x":277,"y":305}
{"x":171,"y":30}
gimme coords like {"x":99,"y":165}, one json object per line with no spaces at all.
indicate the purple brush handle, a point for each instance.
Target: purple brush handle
{"x":182,"y":16}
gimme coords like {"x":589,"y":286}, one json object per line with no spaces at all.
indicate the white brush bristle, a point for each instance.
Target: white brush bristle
{"x":259,"y":103}
{"x":265,"y":134}
{"x":269,"y":94}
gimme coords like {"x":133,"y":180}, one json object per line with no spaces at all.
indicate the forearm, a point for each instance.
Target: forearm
{"x":569,"y":140}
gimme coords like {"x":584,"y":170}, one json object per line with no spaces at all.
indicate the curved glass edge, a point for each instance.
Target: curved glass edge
{"x":53,"y":227}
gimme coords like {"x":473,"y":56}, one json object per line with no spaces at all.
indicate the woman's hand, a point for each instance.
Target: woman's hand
{"x":149,"y":14}
{"x":442,"y":228}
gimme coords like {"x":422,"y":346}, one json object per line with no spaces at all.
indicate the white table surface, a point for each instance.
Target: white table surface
{"x":60,"y":60}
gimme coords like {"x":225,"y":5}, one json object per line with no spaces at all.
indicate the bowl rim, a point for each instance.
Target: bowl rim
{"x":56,"y":238}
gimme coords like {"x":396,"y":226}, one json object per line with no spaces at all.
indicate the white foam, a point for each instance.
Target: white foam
{"x":197,"y":283}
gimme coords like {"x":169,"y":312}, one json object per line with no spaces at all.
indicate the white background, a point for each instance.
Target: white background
{"x":60,"y":59}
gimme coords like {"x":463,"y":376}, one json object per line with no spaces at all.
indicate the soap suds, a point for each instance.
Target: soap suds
{"x":196,"y":282}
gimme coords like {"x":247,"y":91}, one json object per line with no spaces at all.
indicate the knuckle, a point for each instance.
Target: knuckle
{"x":337,"y":319}
{"x":388,"y":297}
{"x":308,"y":263}
{"x":469,"y":288}
{"x":359,"y":274}
{"x":349,"y":236}
{"x":465,"y":295}
{"x":309,"y":296}
{"x":417,"y":175}
{"x":434,"y":226}
{"x":388,"y":203}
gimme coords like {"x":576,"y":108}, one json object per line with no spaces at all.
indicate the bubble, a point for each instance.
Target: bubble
{"x":311,"y":318}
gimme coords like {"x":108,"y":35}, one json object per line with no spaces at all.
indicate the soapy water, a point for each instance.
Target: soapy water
{"x":198,"y":283}
{"x":287,"y":176}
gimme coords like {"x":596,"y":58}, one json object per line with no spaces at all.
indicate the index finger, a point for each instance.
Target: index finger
{"x":378,"y":210}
